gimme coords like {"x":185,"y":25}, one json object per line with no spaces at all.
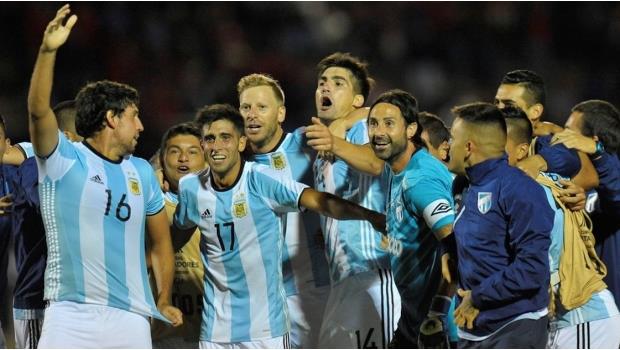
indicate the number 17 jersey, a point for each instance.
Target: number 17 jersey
{"x":241,"y":244}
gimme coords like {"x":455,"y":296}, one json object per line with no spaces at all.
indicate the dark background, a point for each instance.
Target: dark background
{"x":181,"y":56}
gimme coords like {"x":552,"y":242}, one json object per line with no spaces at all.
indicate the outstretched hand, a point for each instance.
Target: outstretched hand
{"x":56,"y":33}
{"x":574,"y":140}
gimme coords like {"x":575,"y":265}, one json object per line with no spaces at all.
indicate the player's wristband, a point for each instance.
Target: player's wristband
{"x":440,"y":305}
{"x":448,"y":245}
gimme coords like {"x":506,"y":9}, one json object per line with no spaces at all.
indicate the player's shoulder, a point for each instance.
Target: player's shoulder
{"x":424,"y":168}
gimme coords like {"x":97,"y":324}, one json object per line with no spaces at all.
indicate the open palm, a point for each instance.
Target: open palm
{"x":56,"y":33}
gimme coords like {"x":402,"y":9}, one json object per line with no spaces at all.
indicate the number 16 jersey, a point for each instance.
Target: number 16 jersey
{"x":241,"y":244}
{"x":94,"y":213}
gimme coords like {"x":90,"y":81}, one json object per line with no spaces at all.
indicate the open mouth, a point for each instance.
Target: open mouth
{"x":380,"y":144}
{"x":253,"y":128}
{"x":183,"y":169}
{"x":218,"y":157}
{"x":326,"y":103}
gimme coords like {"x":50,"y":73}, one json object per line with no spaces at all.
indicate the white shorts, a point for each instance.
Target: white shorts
{"x":27,"y":324}
{"x":362,"y":312}
{"x":74,"y":325}
{"x":271,"y":343}
{"x":306,"y":315}
{"x":599,"y":334}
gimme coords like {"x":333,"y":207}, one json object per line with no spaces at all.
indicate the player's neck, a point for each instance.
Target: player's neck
{"x":400,"y":162}
{"x":226,"y":180}
{"x":101,"y":144}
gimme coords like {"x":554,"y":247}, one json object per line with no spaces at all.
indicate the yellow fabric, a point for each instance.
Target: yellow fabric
{"x":186,"y":289}
{"x":581,"y":271}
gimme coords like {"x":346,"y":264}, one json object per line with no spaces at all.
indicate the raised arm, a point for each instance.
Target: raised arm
{"x":42,"y":122}
{"x":329,"y":205}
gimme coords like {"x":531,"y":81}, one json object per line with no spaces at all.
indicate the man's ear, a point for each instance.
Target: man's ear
{"x":536,"y":111}
{"x":523,"y":151}
{"x":109,"y":119}
{"x":281,"y":114}
{"x":242,"y":143}
{"x":411,"y":130}
{"x":358,"y":101}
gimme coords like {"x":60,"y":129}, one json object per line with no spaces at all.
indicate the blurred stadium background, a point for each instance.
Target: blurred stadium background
{"x":182,"y":56}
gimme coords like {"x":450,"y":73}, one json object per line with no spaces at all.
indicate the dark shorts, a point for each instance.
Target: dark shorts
{"x":522,"y":334}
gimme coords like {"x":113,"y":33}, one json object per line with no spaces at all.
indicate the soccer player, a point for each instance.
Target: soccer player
{"x":306,"y":276}
{"x":502,"y":238}
{"x":593,"y":127}
{"x":419,"y":215}
{"x":180,"y":154}
{"x":238,"y":206}
{"x":588,"y":325}
{"x":364,"y":305}
{"x":96,"y":200}
{"x":526,"y":89}
{"x":435,"y":135}
{"x":29,"y":240}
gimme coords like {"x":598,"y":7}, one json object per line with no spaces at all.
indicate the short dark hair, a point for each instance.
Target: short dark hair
{"x":481,"y":114}
{"x":601,"y":119}
{"x":95,"y":99}
{"x":65,"y":112}
{"x":212,"y":113}
{"x":435,"y":128}
{"x":521,"y":126}
{"x":533,"y":84}
{"x":362,"y":82}
{"x":408,"y":106}
{"x":186,"y":128}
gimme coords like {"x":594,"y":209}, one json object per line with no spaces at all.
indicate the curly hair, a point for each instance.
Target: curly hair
{"x":95,"y":99}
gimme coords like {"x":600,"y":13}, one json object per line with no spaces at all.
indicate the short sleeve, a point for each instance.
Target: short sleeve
{"x":431,"y":200}
{"x":280,"y":192}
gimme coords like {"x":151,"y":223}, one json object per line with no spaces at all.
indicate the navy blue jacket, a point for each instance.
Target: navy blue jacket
{"x":560,"y":160}
{"x":29,"y":238}
{"x":503,"y":235}
{"x":606,"y":219}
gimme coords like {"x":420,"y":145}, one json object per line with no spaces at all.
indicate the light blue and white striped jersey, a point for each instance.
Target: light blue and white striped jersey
{"x":304,"y":263}
{"x":352,"y":246}
{"x":420,"y":202}
{"x":602,"y":304}
{"x":27,"y":148}
{"x":94,"y":212}
{"x":241,"y":244}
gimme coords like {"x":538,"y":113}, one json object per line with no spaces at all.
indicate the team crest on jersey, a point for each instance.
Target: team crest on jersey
{"x":277,"y":161}
{"x":484,"y":201}
{"x":134,"y":186}
{"x":240,"y":209}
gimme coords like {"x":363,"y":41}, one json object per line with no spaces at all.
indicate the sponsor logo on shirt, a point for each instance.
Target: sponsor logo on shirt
{"x":206,"y":214}
{"x":96,"y":179}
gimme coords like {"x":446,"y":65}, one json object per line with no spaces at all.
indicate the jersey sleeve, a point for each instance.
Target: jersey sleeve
{"x":184,"y":215}
{"x":155,"y":199}
{"x":560,"y":160}
{"x":358,"y":134}
{"x":27,"y":149}
{"x":280,"y":192}
{"x":59,"y":161}
{"x":431,"y":200}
